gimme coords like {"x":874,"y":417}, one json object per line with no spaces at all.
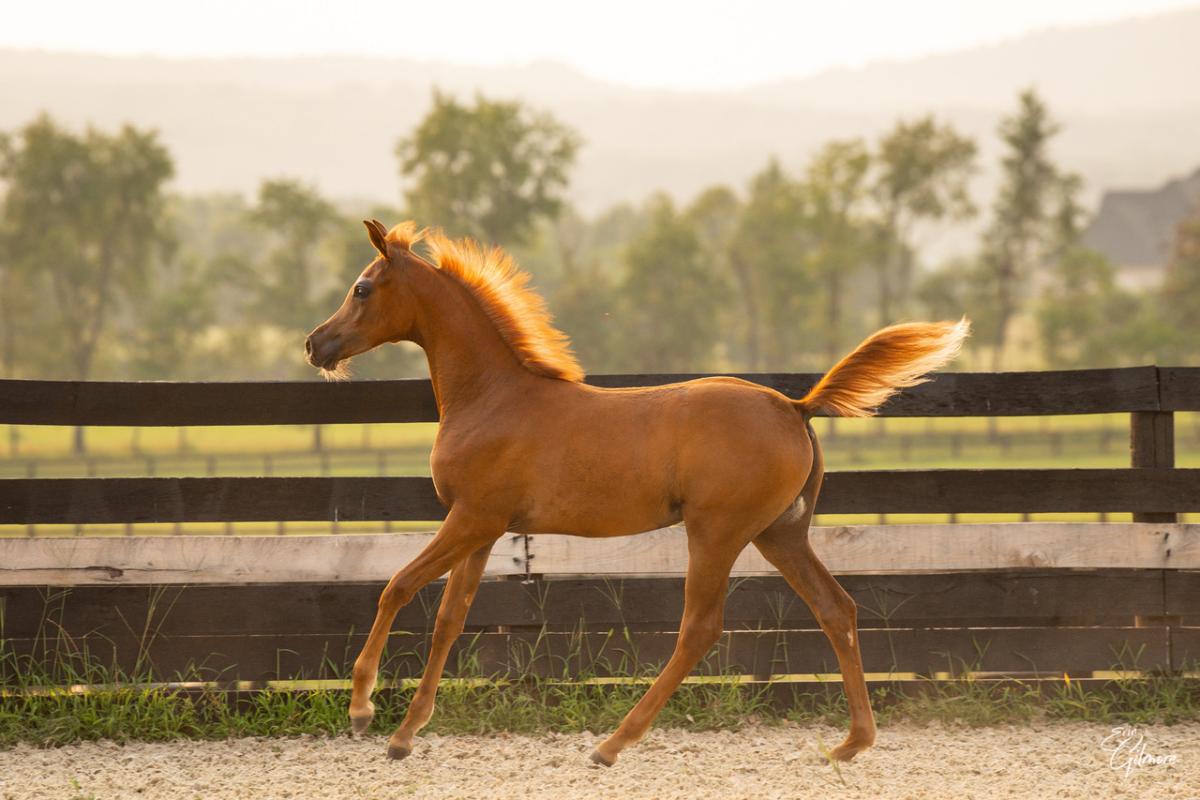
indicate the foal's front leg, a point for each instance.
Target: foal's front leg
{"x":452,"y":614}
{"x":463,"y":533}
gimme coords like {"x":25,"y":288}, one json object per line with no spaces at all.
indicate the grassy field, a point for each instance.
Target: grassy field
{"x":403,"y":449}
{"x":136,"y":713}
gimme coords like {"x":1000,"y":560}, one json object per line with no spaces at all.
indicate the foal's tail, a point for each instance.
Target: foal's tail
{"x":887,"y":361}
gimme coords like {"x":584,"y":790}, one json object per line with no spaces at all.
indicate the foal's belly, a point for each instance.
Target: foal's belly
{"x":599,"y":488}
{"x":583,"y":505}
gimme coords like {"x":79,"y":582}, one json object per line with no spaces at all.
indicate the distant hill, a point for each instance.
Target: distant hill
{"x":1126,"y":92}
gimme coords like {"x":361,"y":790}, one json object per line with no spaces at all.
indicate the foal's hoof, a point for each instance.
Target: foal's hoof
{"x":848,"y":750}
{"x":398,"y":752}
{"x":601,"y":760}
{"x":360,"y":724}
{"x":843,"y":753}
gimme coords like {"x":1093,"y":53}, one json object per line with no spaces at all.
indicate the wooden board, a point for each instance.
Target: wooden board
{"x":223,"y":559}
{"x":901,"y":548}
{"x":108,"y":500}
{"x":78,"y":500}
{"x":1179,"y":388}
{"x":1185,"y":648}
{"x":1009,"y":490}
{"x":1006,"y":598}
{"x":375,"y":557}
{"x":165,"y":403}
{"x":615,"y":652}
{"x":171,"y":403}
{"x":1012,"y":622}
{"x":1181,"y":596}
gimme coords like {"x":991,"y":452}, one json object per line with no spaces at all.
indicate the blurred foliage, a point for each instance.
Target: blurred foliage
{"x":769,"y":246}
{"x":922,"y":177}
{"x":84,"y":218}
{"x":1032,"y":219}
{"x":489,"y":170}
{"x":103,"y":274}
{"x":673,"y":295}
{"x":1180,"y":299}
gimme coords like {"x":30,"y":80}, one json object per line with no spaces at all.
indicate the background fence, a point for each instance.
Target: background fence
{"x":1027,"y":599}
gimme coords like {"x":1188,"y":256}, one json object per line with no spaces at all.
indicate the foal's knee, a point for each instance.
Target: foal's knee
{"x":397,"y":594}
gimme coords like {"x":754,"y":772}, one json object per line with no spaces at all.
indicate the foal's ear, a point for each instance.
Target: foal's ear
{"x":378,"y":235}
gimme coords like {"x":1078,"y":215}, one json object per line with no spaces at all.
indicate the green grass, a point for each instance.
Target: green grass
{"x":538,"y":706}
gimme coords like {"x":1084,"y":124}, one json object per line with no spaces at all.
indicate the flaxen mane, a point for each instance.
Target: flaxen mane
{"x":405,"y":234}
{"x":501,"y":288}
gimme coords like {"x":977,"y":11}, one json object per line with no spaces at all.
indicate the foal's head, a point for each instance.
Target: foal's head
{"x":379,"y":306}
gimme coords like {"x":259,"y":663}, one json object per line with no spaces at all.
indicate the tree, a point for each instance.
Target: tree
{"x":839,"y":230}
{"x":1084,"y":318}
{"x":768,"y":258}
{"x":290,"y":283}
{"x":83,"y":215}
{"x":713,"y":215}
{"x":671,"y":296}
{"x":1026,"y":227}
{"x":586,"y":303}
{"x":168,"y":325}
{"x":923,"y":173}
{"x":488,"y":170}
{"x":946,"y":291}
{"x":20,"y":340}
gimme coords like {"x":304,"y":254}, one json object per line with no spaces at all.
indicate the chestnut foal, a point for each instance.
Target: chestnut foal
{"x":525,"y":446}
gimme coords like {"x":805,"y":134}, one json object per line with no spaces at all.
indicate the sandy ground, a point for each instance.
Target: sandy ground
{"x":1060,"y":760}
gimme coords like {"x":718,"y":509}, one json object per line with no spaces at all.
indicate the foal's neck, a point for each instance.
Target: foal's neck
{"x":469,"y":362}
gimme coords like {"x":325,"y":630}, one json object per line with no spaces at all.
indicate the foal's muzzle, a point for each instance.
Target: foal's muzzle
{"x":322,"y":351}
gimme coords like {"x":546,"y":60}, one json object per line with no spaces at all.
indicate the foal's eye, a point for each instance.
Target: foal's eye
{"x":361,"y":290}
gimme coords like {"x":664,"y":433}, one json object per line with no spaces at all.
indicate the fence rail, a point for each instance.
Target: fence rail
{"x":952,"y":394}
{"x":139,"y":500}
{"x":857,"y":549}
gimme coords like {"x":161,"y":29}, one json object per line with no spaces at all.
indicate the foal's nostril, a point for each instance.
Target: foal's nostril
{"x":308,"y":346}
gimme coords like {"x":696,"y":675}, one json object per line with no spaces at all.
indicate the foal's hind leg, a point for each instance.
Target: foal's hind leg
{"x":452,"y":614}
{"x":712,"y":549}
{"x":785,"y":544}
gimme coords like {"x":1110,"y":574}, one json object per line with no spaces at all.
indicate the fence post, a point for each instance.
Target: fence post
{"x":1152,"y":446}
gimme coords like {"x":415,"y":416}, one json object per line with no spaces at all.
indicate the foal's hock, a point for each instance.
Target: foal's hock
{"x":525,"y":446}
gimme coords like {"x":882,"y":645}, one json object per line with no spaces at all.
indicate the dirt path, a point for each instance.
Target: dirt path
{"x":1060,"y":760}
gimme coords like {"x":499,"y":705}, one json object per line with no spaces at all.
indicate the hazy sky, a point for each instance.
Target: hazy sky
{"x":694,"y":44}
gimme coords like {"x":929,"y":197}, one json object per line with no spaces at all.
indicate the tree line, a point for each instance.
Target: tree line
{"x":107,"y":273}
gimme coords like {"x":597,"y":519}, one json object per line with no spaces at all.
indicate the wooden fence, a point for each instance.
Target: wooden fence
{"x":1021,"y":598}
